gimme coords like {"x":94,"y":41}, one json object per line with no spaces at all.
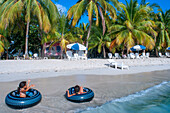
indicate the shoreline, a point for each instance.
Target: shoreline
{"x":106,"y":88}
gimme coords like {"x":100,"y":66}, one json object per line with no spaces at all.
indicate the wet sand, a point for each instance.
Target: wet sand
{"x":105,"y":87}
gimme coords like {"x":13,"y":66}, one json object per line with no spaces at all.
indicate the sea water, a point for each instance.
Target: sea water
{"x":152,"y":100}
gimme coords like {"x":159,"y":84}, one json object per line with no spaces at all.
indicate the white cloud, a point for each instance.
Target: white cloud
{"x":61,"y":8}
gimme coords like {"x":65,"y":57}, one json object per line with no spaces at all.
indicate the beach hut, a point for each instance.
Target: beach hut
{"x":52,"y":51}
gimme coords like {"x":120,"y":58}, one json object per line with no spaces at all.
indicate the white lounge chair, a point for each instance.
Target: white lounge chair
{"x":117,"y":55}
{"x":137,"y":55}
{"x":167,"y":54}
{"x":132,"y":55}
{"x":76,"y":56}
{"x":112,"y":62}
{"x":143,"y":55}
{"x":110,"y":55}
{"x":69,"y":55}
{"x":128,"y":56}
{"x":122,"y":66}
{"x":147,"y":55}
{"x":160,"y":55}
{"x":82,"y":55}
{"x":35,"y":55}
{"x":124,"y":56}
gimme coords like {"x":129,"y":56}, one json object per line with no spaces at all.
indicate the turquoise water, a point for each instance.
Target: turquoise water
{"x":153,"y":100}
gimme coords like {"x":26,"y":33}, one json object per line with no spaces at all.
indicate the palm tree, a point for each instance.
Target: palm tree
{"x":163,"y":27}
{"x":64,"y":34}
{"x":97,"y":39}
{"x":44,"y":10}
{"x":83,"y":31}
{"x":92,"y":7}
{"x":3,"y":44}
{"x":133,"y":26}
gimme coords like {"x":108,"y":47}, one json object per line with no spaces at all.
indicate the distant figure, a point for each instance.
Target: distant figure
{"x":24,"y":87}
{"x":78,"y":90}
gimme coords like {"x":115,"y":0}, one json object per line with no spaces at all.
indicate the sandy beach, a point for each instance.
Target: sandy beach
{"x":53,"y":77}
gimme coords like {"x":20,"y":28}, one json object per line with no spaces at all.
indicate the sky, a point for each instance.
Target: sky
{"x":64,"y":5}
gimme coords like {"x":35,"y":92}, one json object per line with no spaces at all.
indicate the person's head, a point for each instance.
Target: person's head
{"x":77,"y":88}
{"x":22,"y":84}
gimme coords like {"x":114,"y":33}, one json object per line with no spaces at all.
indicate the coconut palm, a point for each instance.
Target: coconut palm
{"x":44,"y":10}
{"x":97,"y":39}
{"x":4,"y":44}
{"x":91,"y":7}
{"x":133,"y":26}
{"x":163,"y":27}
{"x":65,"y":34}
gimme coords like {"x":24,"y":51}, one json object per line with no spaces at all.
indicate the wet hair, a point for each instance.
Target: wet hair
{"x":77,"y":89}
{"x":21,"y":85}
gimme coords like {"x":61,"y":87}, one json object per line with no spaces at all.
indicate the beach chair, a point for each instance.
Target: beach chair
{"x":137,"y":55}
{"x":147,"y":55}
{"x":132,"y":56}
{"x":124,"y":56}
{"x":160,"y":55}
{"x":117,"y":56}
{"x":35,"y":55}
{"x":167,"y":54}
{"x":143,"y":55}
{"x":112,"y":63}
{"x":110,"y":55}
{"x":128,"y":56}
{"x":76,"y":57}
{"x":82,"y":55}
{"x":122,"y":66}
{"x":69,"y":55}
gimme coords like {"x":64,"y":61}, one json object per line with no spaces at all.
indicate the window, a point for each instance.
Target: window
{"x":58,"y":49}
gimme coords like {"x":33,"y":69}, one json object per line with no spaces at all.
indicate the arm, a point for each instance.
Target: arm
{"x":81,"y":90}
{"x":68,"y":94}
{"x":30,"y":87}
{"x":28,"y":83}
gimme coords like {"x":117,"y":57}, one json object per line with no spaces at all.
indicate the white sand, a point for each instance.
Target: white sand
{"x":11,"y":70}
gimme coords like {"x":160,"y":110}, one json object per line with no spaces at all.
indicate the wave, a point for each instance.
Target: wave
{"x":154,"y":99}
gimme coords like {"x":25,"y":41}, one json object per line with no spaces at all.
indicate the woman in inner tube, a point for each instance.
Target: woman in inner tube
{"x":78,"y":90}
{"x":24,"y":87}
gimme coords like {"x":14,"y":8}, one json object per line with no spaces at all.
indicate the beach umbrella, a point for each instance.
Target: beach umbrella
{"x":76,"y":46}
{"x":138,"y":48}
{"x":168,"y":49}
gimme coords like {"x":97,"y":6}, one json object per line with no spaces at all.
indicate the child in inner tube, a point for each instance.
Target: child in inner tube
{"x":24,"y":87}
{"x":78,"y":90}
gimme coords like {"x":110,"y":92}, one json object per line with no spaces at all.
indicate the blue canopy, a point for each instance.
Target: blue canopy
{"x":76,"y":46}
{"x":138,"y":48}
{"x":168,"y":48}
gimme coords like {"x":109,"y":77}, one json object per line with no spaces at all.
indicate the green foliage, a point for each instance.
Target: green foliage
{"x":133,"y":26}
{"x":97,"y":39}
{"x":162,"y":20}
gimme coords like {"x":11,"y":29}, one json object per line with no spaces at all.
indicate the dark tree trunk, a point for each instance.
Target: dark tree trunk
{"x":104,"y":52}
{"x":7,"y":54}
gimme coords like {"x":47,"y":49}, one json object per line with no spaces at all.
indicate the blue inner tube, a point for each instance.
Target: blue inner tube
{"x":14,"y":100}
{"x":85,"y":97}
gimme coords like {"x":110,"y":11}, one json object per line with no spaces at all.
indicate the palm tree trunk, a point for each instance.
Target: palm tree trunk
{"x":26,"y":40}
{"x":104,"y":52}
{"x":88,"y":35}
{"x":7,"y":53}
